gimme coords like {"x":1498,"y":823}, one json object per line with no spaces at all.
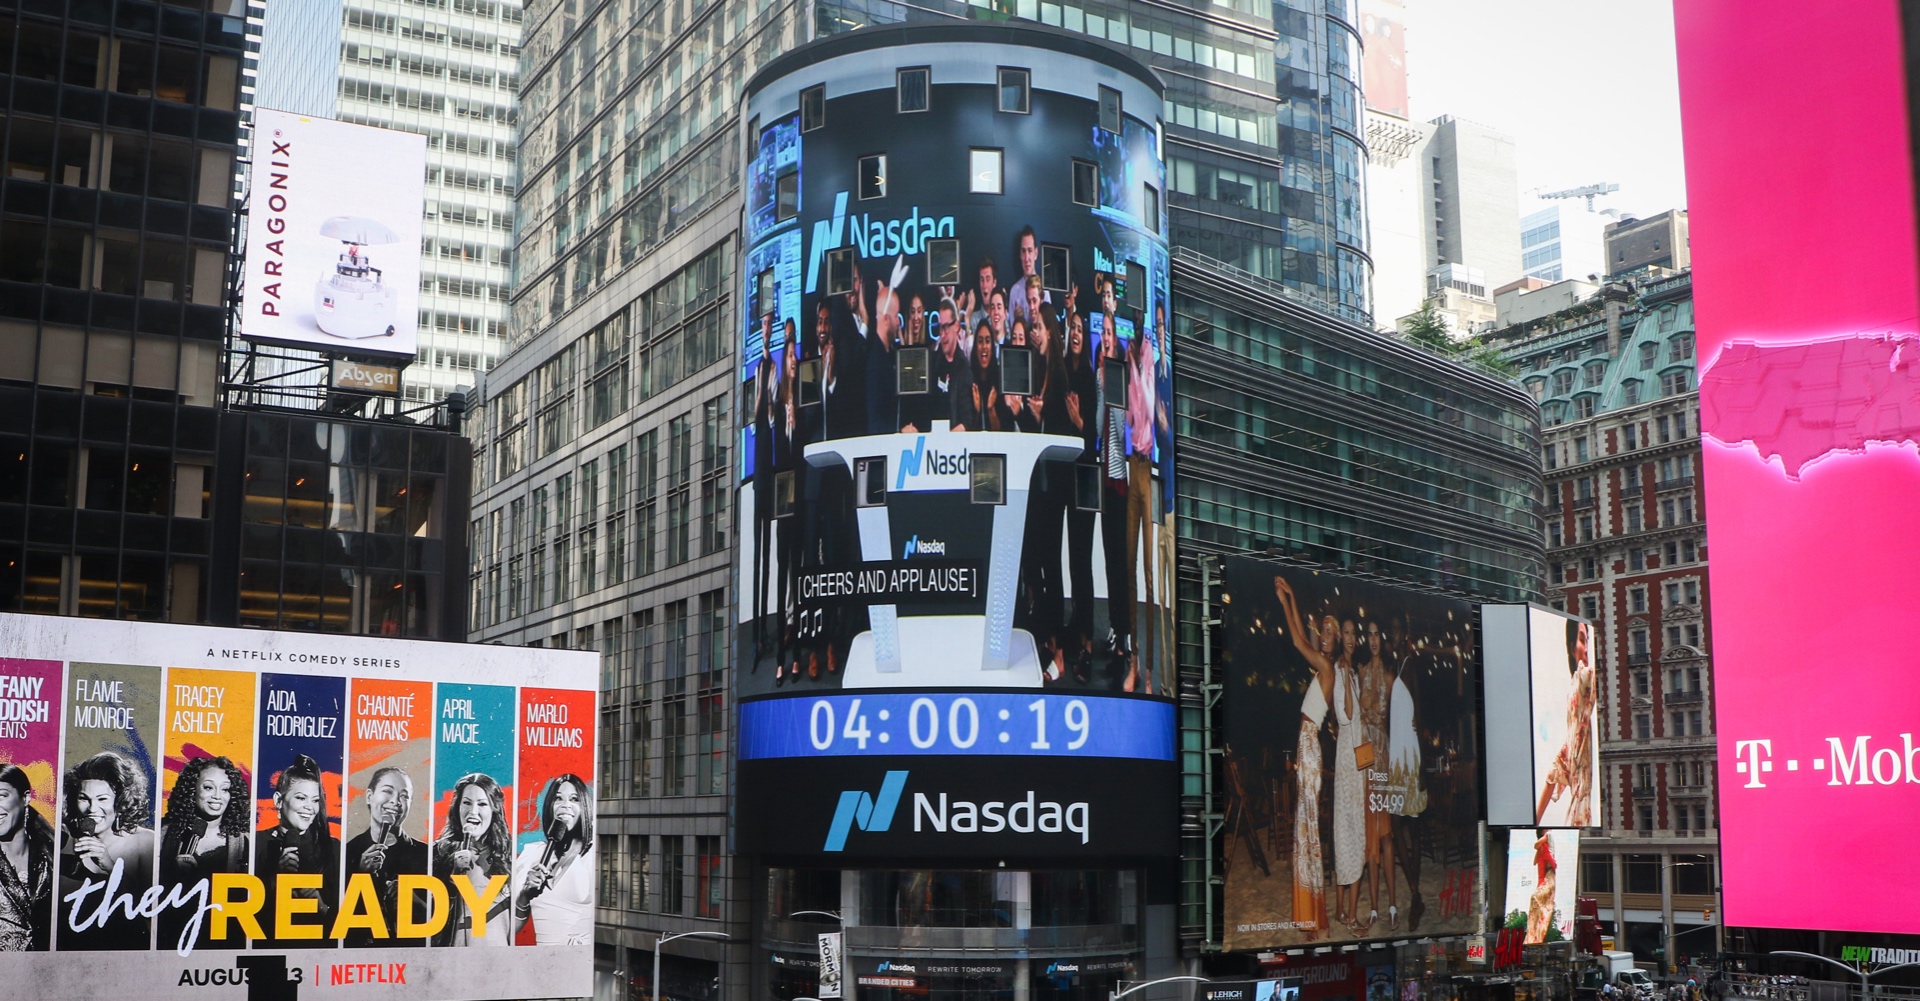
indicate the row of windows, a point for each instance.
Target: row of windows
{"x":1665,"y":429}
{"x":913,"y":93}
{"x":640,"y":872}
{"x":1648,"y":874}
{"x":421,"y":31}
{"x":122,"y":65}
{"x":568,"y":538}
{"x":1672,"y":553}
{"x":368,"y":55}
{"x":1675,"y":512}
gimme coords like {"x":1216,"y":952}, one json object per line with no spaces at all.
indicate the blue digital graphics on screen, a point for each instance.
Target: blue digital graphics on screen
{"x":977,"y":722}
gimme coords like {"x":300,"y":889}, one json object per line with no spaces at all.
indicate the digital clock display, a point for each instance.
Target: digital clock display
{"x":1023,"y":722}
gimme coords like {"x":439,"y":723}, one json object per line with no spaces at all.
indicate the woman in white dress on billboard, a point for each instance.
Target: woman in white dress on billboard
{"x":553,"y":878}
{"x":1349,"y":783}
{"x":1309,"y":863}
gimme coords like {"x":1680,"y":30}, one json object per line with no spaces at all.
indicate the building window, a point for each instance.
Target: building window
{"x":672,"y":866}
{"x":1636,"y":559}
{"x":943,"y":262}
{"x":1590,"y":568}
{"x":1086,"y":183}
{"x":813,"y":115}
{"x":873,"y":176}
{"x":1596,"y":874}
{"x":786,"y":196}
{"x":1636,"y":599}
{"x":1676,"y":382}
{"x":1590,"y":607}
{"x":1562,"y":382}
{"x":1586,"y":528}
{"x":1680,"y":348}
{"x":1642,"y":684}
{"x":984,"y":171}
{"x":1643,"y":726}
{"x":1637,"y":644}
{"x":911,"y":87}
{"x":1552,"y":454}
{"x":1553,"y":534}
{"x":1555,"y":574}
{"x":1110,"y":110}
{"x":1152,"y":208}
{"x":1633,"y":478}
{"x":708,"y":894}
{"x":1630,"y":395}
{"x":1580,"y":449}
{"x":1632,"y":513}
{"x":1014,"y":90}
{"x":1649,"y":353}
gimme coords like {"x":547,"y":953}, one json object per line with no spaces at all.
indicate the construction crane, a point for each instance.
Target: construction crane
{"x":1588,"y":191}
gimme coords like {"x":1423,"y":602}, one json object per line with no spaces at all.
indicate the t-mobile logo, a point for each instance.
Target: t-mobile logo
{"x":1755,"y":756}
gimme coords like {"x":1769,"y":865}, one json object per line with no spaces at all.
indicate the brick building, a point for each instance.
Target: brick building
{"x":1626,"y":547}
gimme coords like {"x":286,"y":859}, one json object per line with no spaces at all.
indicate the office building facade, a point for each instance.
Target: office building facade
{"x":132,"y":488}
{"x":606,"y":511}
{"x":1267,"y":155}
{"x":1658,"y":242}
{"x":449,"y":70}
{"x":1447,"y":195}
{"x":1626,"y":548}
{"x":602,"y":514}
{"x":1563,"y":241}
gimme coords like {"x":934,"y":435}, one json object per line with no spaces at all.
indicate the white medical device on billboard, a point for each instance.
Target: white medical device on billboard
{"x":324,"y":194}
{"x":352,"y":303}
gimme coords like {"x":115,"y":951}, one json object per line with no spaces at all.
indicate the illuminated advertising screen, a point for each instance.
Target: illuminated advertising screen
{"x":956,"y":541}
{"x":334,"y":219}
{"x":1543,"y":731}
{"x":1353,"y":800}
{"x":201,"y":809}
{"x":1809,"y":432}
{"x":1542,"y":868}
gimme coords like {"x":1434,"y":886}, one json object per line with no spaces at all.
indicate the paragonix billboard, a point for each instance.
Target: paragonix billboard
{"x":1809,"y":426}
{"x":1542,"y":868}
{"x":201,"y":809}
{"x":956,"y":546}
{"x":1351,"y":759}
{"x":1543,"y":732}
{"x":334,"y":218}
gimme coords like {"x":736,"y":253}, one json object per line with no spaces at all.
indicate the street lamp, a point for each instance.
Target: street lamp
{"x":1113,"y":996}
{"x":664,"y":939}
{"x":1866,"y":985}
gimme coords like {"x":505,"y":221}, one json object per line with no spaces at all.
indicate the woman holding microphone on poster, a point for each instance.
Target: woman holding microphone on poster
{"x":476,"y":846}
{"x":553,"y":878}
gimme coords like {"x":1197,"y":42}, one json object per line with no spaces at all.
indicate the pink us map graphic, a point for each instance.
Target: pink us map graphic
{"x":1801,"y":403}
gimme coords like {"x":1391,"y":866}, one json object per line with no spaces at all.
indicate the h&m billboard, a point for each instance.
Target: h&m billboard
{"x":1351,"y":761}
{"x":956,"y":539}
{"x":205,"y":808}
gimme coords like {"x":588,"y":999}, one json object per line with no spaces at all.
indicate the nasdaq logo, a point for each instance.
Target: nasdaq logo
{"x":923,"y":461}
{"x":924,"y":547}
{"x":875,"y":237}
{"x":869,"y":813}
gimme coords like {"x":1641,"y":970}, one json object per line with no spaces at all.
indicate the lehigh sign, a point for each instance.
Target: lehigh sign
{"x":360,"y":377}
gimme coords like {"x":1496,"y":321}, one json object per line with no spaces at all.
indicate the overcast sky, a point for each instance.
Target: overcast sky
{"x":1587,"y":88}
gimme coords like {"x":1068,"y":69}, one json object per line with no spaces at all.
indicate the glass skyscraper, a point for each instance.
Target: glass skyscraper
{"x":449,"y":70}
{"x":1266,"y":164}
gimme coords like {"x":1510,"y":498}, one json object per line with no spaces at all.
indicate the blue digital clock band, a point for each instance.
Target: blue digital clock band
{"x":1023,"y":723}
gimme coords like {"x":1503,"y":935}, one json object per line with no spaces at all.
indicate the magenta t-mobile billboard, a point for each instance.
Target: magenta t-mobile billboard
{"x":1800,"y":186}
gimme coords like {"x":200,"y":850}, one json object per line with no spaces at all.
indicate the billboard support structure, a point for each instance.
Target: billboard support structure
{"x":1212,"y":815}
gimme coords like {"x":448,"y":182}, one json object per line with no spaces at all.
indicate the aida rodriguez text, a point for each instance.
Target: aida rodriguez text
{"x":229,"y":903}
